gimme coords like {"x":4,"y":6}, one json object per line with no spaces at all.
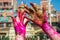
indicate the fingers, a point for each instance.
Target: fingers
{"x":34,"y":6}
{"x":26,"y":7}
{"x":37,"y":12}
{"x":19,"y":13}
{"x":29,"y":19}
{"x":29,"y":9}
{"x":26,"y":11}
{"x":39,"y":23}
{"x":23,"y":17}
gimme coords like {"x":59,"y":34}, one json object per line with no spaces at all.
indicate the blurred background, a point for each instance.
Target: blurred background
{"x":9,"y":8}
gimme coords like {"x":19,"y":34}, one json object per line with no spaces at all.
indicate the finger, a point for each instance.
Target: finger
{"x":38,"y":13}
{"x":13,"y":19}
{"x":26,"y":7}
{"x":28,"y":12}
{"x":22,"y":20}
{"x":22,"y":12}
{"x":19,"y":13}
{"x":29,"y":9}
{"x":21,"y":16}
{"x":34,"y":6}
{"x":36,"y":9}
{"x":39,"y":23}
{"x":29,"y":19}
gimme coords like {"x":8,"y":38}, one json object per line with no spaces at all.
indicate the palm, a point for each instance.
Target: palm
{"x":19,"y":24}
{"x":36,"y":15}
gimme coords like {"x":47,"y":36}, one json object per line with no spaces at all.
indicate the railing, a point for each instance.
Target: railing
{"x":8,"y":11}
{"x":9,"y":7}
{"x":5,"y":24}
{"x":7,"y":19}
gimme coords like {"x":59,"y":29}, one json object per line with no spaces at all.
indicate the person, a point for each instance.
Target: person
{"x":19,"y":25}
{"x":40,"y":19}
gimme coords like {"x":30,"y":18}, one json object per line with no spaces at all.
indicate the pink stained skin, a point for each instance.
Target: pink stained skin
{"x":53,"y":35}
{"x":19,"y":26}
{"x":47,"y":28}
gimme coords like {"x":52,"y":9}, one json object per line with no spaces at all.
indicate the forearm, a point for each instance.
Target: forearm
{"x":50,"y":31}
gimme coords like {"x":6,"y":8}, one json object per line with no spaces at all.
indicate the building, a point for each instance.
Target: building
{"x":58,"y":21}
{"x":6,"y":4}
{"x":38,"y":33}
{"x":9,"y":5}
{"x":6,"y":26}
{"x":58,"y":16}
{"x":7,"y":9}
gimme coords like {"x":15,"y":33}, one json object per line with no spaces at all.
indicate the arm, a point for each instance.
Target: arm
{"x":53,"y":35}
{"x":48,"y":29}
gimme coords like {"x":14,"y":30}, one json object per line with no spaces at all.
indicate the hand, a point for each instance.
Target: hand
{"x":36,"y":16}
{"x":19,"y":25}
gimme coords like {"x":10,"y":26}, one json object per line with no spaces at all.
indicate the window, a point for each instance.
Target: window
{"x":1,"y":24}
{"x":9,"y":3}
{"x":0,"y":4}
{"x":54,"y":23}
{"x":58,"y":24}
{"x":4,"y":20}
{"x":8,"y":24}
{"x":3,"y":37}
{"x":59,"y":18}
{"x":5,"y":3}
{"x":0,"y":37}
{"x":2,"y":33}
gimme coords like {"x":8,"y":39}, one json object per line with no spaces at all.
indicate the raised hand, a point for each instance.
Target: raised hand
{"x":36,"y":16}
{"x":41,"y":20}
{"x":19,"y":25}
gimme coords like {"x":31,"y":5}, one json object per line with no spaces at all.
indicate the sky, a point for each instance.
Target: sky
{"x":55,"y":3}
